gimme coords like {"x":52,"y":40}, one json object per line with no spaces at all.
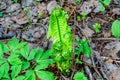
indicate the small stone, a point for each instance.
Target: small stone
{"x":7,"y":2}
{"x":26,"y":3}
{"x":52,"y":5}
{"x":50,"y":43}
{"x":34,"y":20}
{"x":72,"y":2}
{"x":38,"y":33}
{"x":0,"y":35}
{"x":14,"y":26}
{"x":116,"y":1}
{"x":11,"y":34}
{"x":115,"y":74}
{"x":112,"y":50}
{"x":87,"y":32}
{"x":21,"y":18}
{"x":2,"y":5}
{"x":87,"y":7}
{"x":6,"y":21}
{"x":41,"y":8}
{"x":45,"y":44}
{"x":111,"y":66}
{"x":14,"y":8}
{"x":1,"y":29}
{"x":116,"y":11}
{"x":34,"y":34}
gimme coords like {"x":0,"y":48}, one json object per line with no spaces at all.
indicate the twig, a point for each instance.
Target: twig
{"x":88,"y":72}
{"x":73,"y":11}
{"x":99,"y":39}
{"x":95,"y":67}
{"x":104,"y":75}
{"x":73,"y":55}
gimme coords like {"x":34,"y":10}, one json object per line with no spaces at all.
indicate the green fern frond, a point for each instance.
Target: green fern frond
{"x":59,"y":29}
{"x":61,"y":34}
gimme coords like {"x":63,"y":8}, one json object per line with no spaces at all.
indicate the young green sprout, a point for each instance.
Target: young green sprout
{"x":78,"y":18}
{"x":39,"y":15}
{"x":102,"y":8}
{"x":1,"y":14}
{"x":84,"y":16}
{"x":97,"y":27}
{"x":104,"y":3}
{"x":15,"y":1}
{"x":77,"y":1}
{"x":26,"y":9}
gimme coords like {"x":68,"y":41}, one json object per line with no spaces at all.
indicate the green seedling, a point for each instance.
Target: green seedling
{"x":84,"y":16}
{"x":78,"y":18}
{"x":26,"y":9}
{"x":77,"y":61}
{"x":105,"y":3}
{"x":61,"y":34}
{"x":97,"y":27}
{"x":116,"y":28}
{"x":102,"y":8}
{"x":18,"y":62}
{"x":77,"y":1}
{"x":39,"y":15}
{"x":1,"y":14}
{"x":83,"y":47}
{"x":80,"y":76}
{"x":37,"y":1}
{"x":15,"y":1}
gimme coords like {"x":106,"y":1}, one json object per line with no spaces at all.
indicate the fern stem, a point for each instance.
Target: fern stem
{"x":59,"y":30}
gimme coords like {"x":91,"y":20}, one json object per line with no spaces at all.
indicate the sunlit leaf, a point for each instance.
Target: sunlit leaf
{"x":45,"y":75}
{"x":15,"y":70}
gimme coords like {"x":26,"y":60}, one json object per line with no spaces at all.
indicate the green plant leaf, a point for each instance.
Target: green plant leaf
{"x":30,"y":75}
{"x":102,"y":8}
{"x":24,"y":51}
{"x":21,"y":45}
{"x":13,"y":43}
{"x":42,"y":64}
{"x":79,"y":76}
{"x":2,"y":60}
{"x":47,"y":54}
{"x":45,"y":75}
{"x":86,"y":49}
{"x":83,"y":47}
{"x":1,"y":14}
{"x":38,"y":54}
{"x":106,"y":2}
{"x":15,"y":70}
{"x":78,"y":61}
{"x":19,"y":78}
{"x":25,"y":65}
{"x":32,"y":54}
{"x":116,"y":28}
{"x":14,"y":60}
{"x":97,"y":27}
{"x":3,"y":48}
{"x":4,"y":68}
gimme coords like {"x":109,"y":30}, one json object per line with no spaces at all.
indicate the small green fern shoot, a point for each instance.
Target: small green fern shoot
{"x":62,"y":39}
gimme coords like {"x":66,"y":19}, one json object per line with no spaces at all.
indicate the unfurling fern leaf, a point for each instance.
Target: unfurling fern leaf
{"x":62,"y":39}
